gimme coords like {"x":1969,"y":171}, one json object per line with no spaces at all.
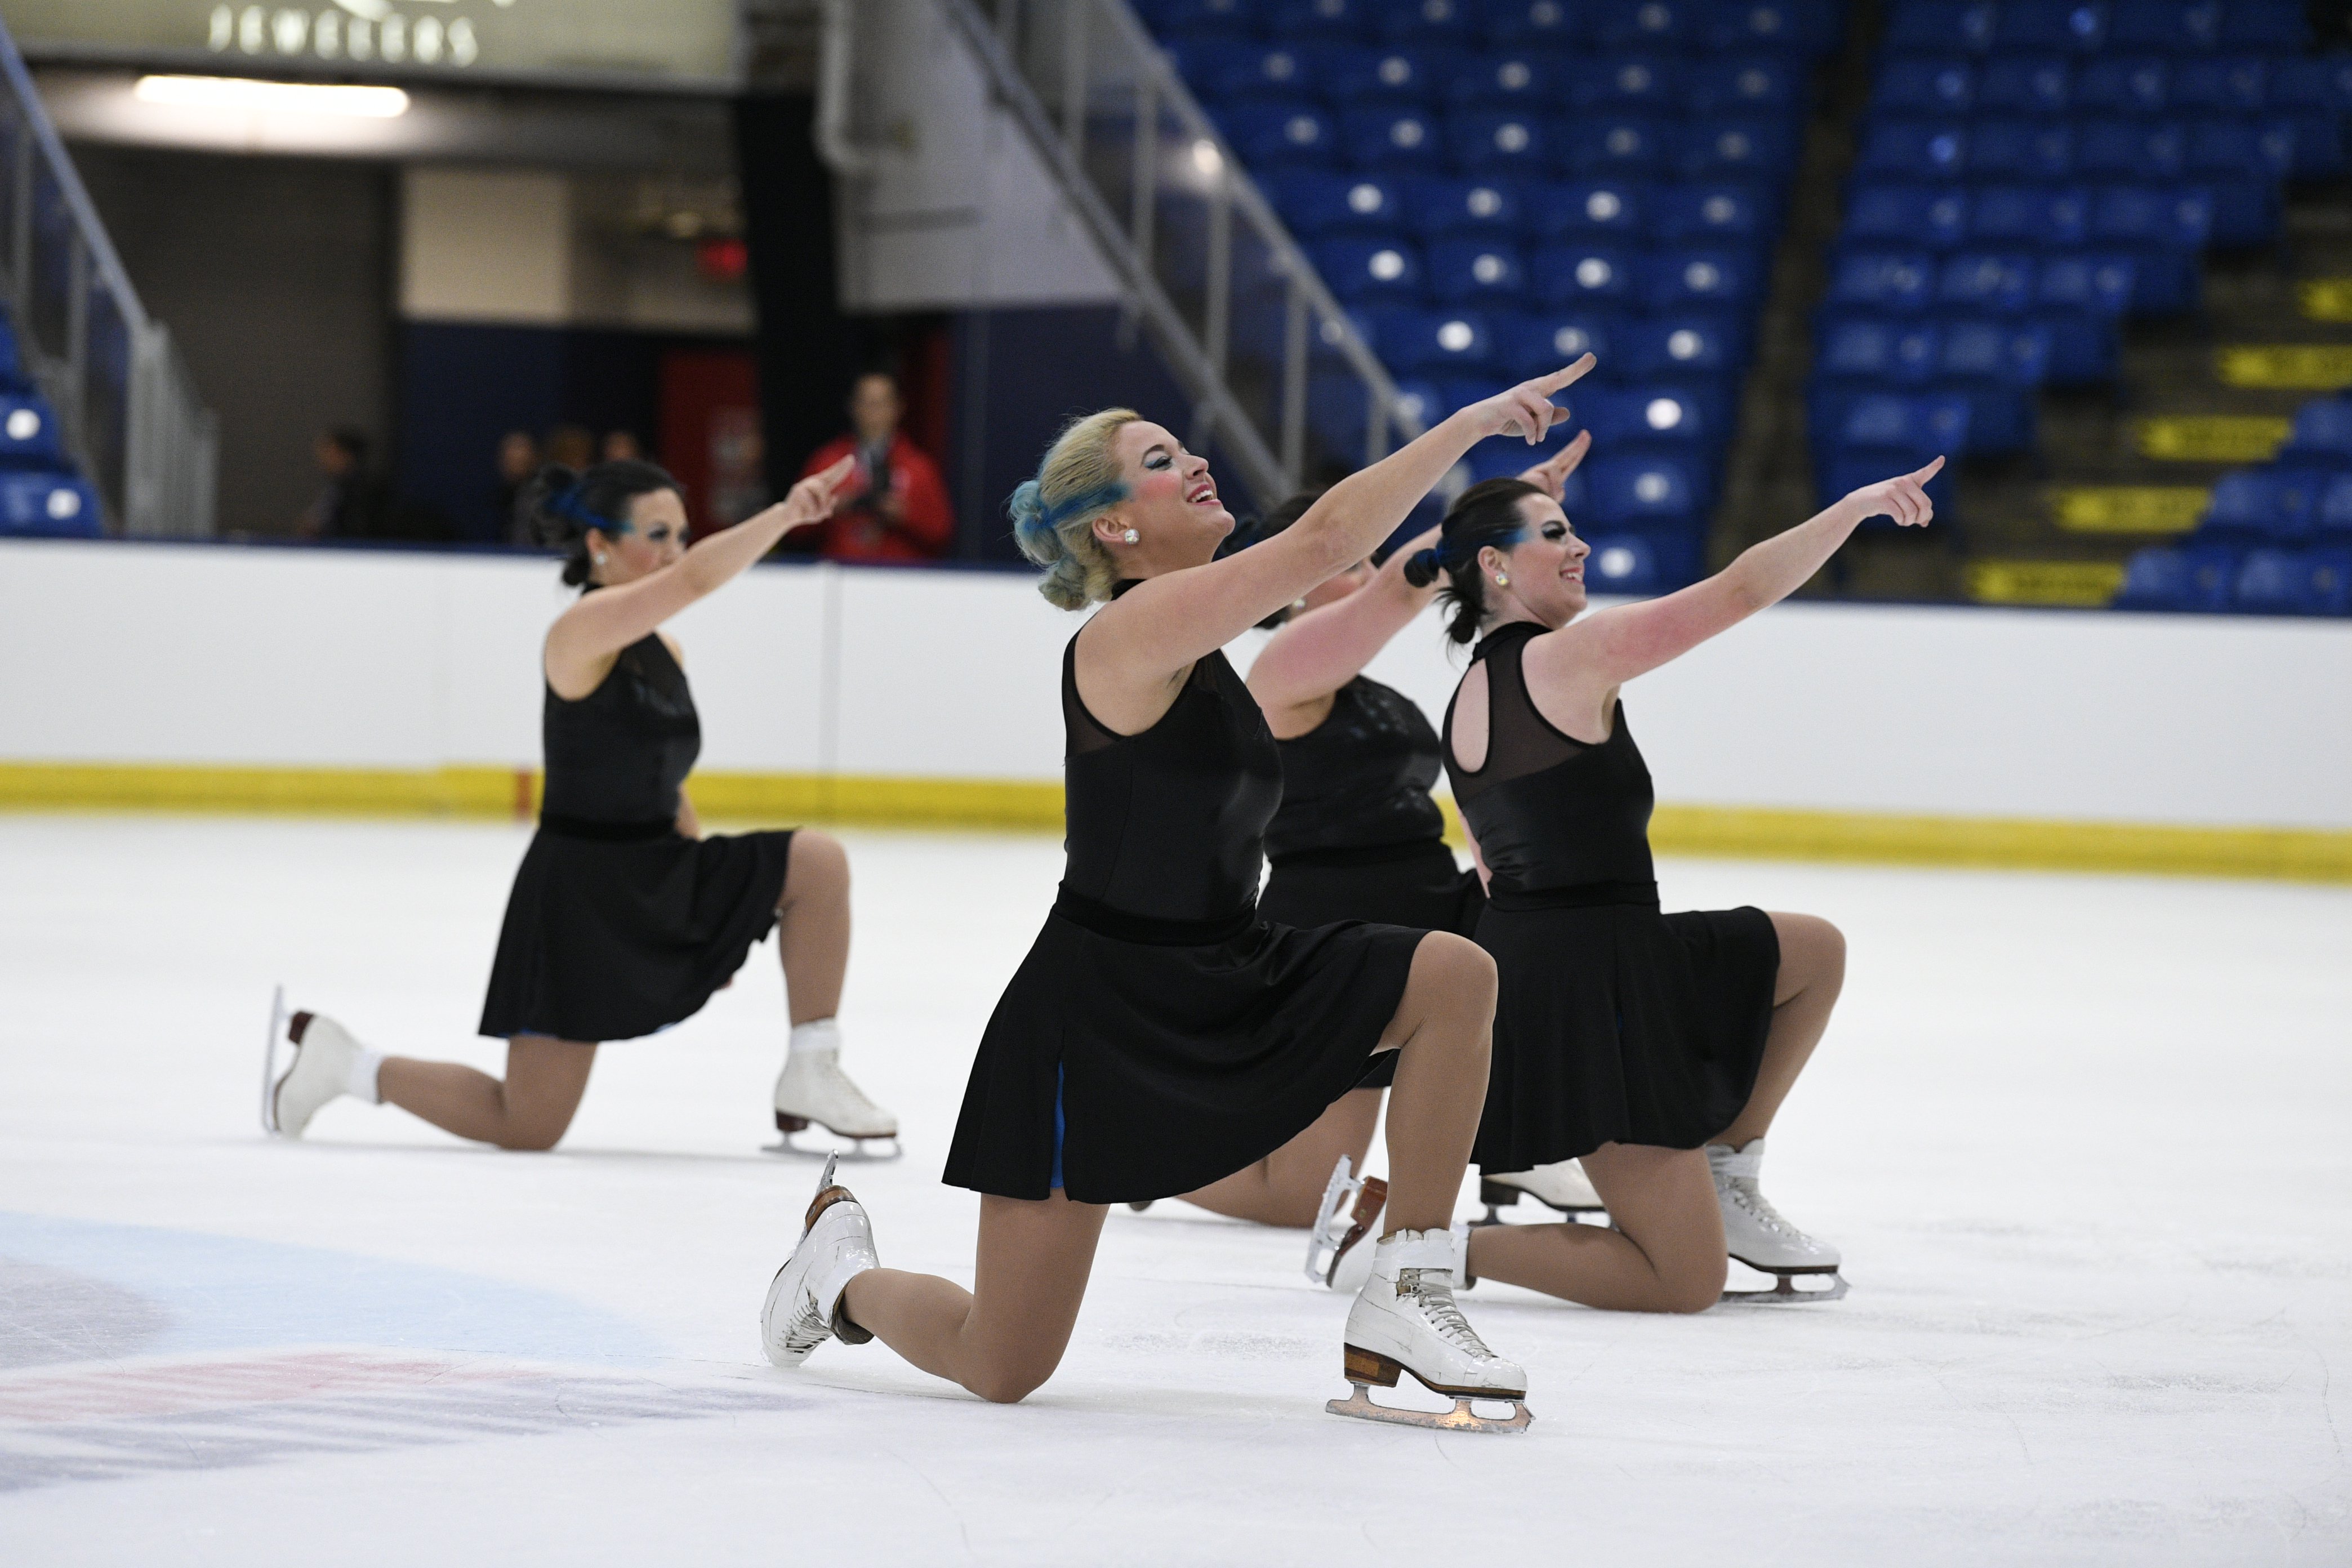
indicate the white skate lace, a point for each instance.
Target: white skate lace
{"x":1749,"y":1197}
{"x":1437,"y":1307}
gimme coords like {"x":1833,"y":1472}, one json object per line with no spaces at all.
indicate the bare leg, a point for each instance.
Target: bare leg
{"x":1666,"y":1255}
{"x":1813,"y":973}
{"x":1286,"y":1187}
{"x":1445,"y":1032}
{"x":530,"y":1110}
{"x":813,"y":926}
{"x":1006,"y":1335}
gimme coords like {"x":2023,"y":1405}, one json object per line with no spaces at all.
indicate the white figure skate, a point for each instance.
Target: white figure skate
{"x":1404,"y":1320}
{"x":804,"y":1306}
{"x":324,"y":1057}
{"x":813,"y":1088}
{"x":1563,"y":1187}
{"x":1337,"y":1254}
{"x":1754,"y":1234}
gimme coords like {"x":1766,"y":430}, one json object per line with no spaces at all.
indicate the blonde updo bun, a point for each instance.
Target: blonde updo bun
{"x":1054,"y":514}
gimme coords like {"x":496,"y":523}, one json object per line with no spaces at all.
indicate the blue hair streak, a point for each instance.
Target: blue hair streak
{"x":568,"y":504}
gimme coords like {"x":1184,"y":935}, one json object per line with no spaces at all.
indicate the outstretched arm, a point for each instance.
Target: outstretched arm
{"x":1169,"y":622}
{"x":1314,"y":654}
{"x":1615,"y":645}
{"x":586,"y":637}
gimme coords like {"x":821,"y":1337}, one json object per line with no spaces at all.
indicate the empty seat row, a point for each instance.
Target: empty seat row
{"x":1908,"y":282}
{"x":2045,"y":218}
{"x":1317,"y":204}
{"x":1806,"y":25}
{"x":2051,"y":84}
{"x":2223,"y":578}
{"x":1466,"y":271}
{"x":1349,"y":76}
{"x":2092,"y":26}
{"x":2242,"y":148}
{"x":1270,"y":134}
{"x":1425,"y":343}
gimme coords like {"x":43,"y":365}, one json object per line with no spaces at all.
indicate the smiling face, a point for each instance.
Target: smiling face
{"x":1171,"y":504}
{"x":1546,"y":568}
{"x":655,"y":537}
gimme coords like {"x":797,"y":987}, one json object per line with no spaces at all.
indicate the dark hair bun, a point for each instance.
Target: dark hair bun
{"x":1421,"y":568}
{"x":566,"y":504}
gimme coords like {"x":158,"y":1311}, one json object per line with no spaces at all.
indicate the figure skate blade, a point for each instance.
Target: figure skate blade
{"x":269,"y":1061}
{"x":1784,"y":1290}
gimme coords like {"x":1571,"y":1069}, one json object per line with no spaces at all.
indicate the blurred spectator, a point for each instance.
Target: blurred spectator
{"x":895,"y":507}
{"x":354,"y":504}
{"x":622,"y":446}
{"x":572,"y":447}
{"x":518,"y":461}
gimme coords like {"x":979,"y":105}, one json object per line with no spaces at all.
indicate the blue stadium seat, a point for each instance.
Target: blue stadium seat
{"x":12,"y":369}
{"x":1923,"y":150}
{"x":1580,"y":274}
{"x":1679,"y":344}
{"x":2241,"y":149}
{"x":48,"y":505}
{"x":28,"y":433}
{"x":1370,"y":270}
{"x":1843,"y":471}
{"x":1327,"y":21}
{"x":1646,"y":24}
{"x":2199,"y":577}
{"x":2279,"y":25}
{"x":1804,"y":26}
{"x":1740,"y":85}
{"x":1529,"y":82}
{"x":1623,"y":563}
{"x":1907,"y":215}
{"x":2022,"y":149}
{"x":1274,"y":71}
{"x":1758,"y":150}
{"x":1316,"y":203}
{"x":1465,"y":271}
{"x":1501,"y":458}
{"x":1439,"y":205}
{"x":1622,"y":489}
{"x":1889,"y":351}
{"x":1591,"y":207}
{"x":2047,"y":217}
{"x":2334,"y":515}
{"x":2280,"y":583}
{"x":1620,"y":416}
{"x":2124,"y":85}
{"x":1400,"y":138}
{"x":1534,"y":345}
{"x":2082,"y":346}
{"x":1712,"y":212}
{"x":1981,"y":281}
{"x":1920,"y":86}
{"x":1677,"y":279}
{"x":1270,"y":135}
{"x":2322,"y":436}
{"x":2097,"y":284}
{"x":2321,"y":83}
{"x":2131,"y":149}
{"x":1435,"y":342}
{"x":1963,"y":27}
{"x":1917,"y":428}
{"x":1421,"y":21}
{"x":2010,"y":354}
{"x":1883,"y":279}
{"x":1624,"y":84}
{"x":2278,"y":505}
{"x":2066,"y":26}
{"x":1533,"y":23}
{"x":1498,"y":142}
{"x":1370,"y":78}
{"x":1608,"y":143}
{"x":2331,"y":582}
{"x":1200,"y":16}
{"x":2171,"y":26}
{"x":2222,"y":85}
{"x":2025,"y":84}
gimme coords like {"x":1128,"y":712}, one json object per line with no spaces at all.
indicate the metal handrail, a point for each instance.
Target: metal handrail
{"x":1273,"y":460}
{"x":155,"y":475}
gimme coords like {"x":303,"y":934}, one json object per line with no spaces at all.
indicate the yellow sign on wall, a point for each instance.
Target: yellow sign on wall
{"x":685,"y":43}
{"x":2294,"y":367}
{"x":2086,"y":584}
{"x":2129,"y":508}
{"x":2213,"y":438}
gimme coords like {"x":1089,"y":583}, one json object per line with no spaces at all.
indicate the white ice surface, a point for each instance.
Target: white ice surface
{"x":2081,"y":1140}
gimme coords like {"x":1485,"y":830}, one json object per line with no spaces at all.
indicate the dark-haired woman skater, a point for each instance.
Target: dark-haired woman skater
{"x":1356,"y":837}
{"x":1160,"y":1035}
{"x":1655,"y":1047}
{"x":624,"y":917}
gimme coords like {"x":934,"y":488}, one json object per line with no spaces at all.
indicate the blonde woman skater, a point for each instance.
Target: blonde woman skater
{"x":1160,"y":1035}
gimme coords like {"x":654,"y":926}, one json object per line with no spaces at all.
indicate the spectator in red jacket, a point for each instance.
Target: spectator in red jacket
{"x":895,"y":507}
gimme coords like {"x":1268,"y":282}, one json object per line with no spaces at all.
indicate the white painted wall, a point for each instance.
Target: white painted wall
{"x":224,"y":655}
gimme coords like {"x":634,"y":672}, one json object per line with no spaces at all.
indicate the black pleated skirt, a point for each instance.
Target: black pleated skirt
{"x":1616,"y":1024}
{"x":610,"y":938}
{"x":1405,"y":885}
{"x":1168,"y":1064}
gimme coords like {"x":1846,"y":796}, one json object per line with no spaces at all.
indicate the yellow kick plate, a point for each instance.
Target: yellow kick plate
{"x":2299,"y":367}
{"x":2326,"y":299}
{"x":2129,"y":508}
{"x":2078,"y":583}
{"x":2213,"y":438}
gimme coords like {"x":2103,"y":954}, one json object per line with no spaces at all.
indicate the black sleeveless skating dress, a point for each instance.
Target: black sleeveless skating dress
{"x":1160,"y":1035}
{"x":1357,"y":836}
{"x":618,"y":925}
{"x":1615,"y":1024}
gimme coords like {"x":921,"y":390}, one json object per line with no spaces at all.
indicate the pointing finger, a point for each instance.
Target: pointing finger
{"x":1929,"y":472}
{"x":1562,"y":377}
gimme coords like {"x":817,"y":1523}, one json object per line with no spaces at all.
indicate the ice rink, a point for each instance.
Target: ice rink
{"x":2081,"y":1138}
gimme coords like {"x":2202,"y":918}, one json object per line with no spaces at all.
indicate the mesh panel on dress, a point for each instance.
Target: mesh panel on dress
{"x":1519,"y":740}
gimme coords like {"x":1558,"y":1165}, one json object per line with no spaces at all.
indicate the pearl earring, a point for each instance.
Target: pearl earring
{"x":1131,"y":536}
{"x":600,"y":560}
{"x":1502,"y":579}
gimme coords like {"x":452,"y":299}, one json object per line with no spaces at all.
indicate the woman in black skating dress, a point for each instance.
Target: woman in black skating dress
{"x":1655,"y":1047}
{"x":624,"y":918}
{"x":1357,"y":836}
{"x":1161,"y":1034}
